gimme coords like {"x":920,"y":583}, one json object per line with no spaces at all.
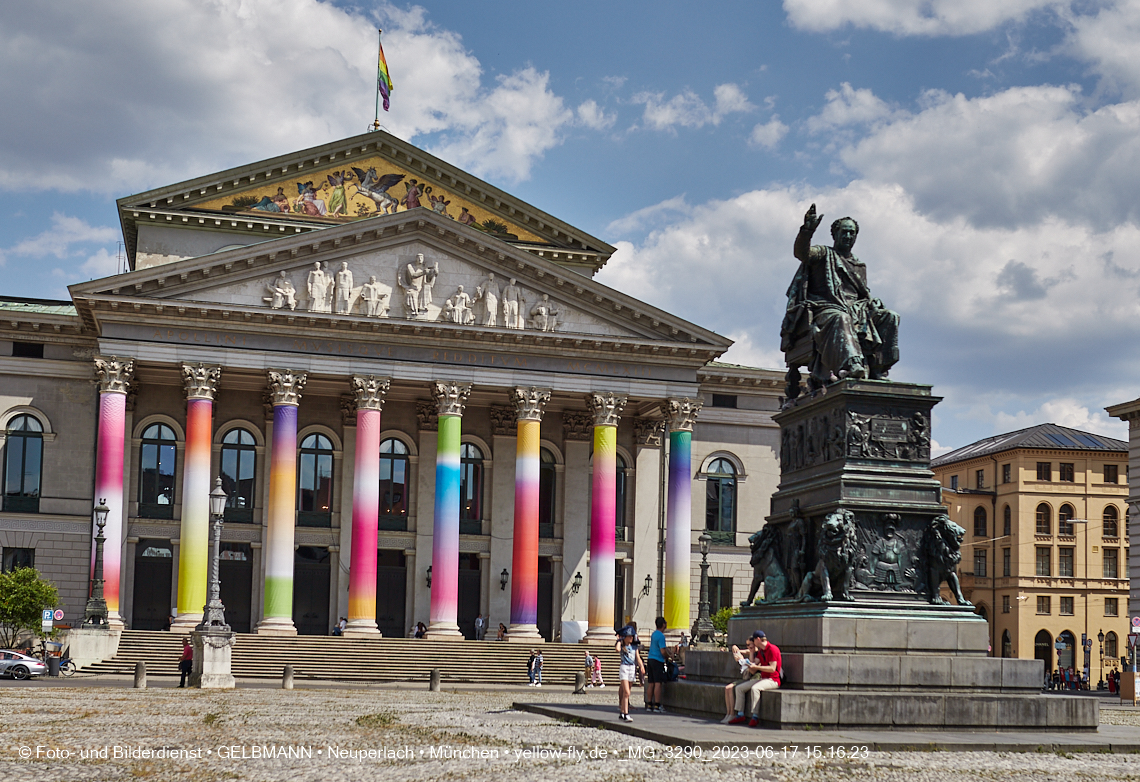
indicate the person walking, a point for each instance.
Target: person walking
{"x":589,"y":670}
{"x":538,"y":669}
{"x":186,"y":662}
{"x":628,"y":669}
{"x":597,"y":677}
{"x":658,"y":675}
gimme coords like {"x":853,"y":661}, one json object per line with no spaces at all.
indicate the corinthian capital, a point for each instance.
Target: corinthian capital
{"x":370,"y":391}
{"x":530,"y":402}
{"x":606,"y":407}
{"x":285,"y":386}
{"x":450,"y":397}
{"x":681,"y":412}
{"x":200,"y":381}
{"x":114,"y":374}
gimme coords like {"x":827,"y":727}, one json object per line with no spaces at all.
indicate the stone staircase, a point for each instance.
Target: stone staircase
{"x":383,"y":660}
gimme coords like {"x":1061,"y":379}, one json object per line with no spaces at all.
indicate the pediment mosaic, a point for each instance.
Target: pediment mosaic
{"x":368,"y":187}
{"x":412,"y":282}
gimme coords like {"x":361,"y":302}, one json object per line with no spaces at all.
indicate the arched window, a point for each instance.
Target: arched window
{"x":1006,"y":644}
{"x":393,"y":485}
{"x":1064,"y":525}
{"x":1006,"y":521}
{"x":239,"y":462}
{"x":470,"y":489}
{"x":1068,"y":654}
{"x":979,"y":522}
{"x":1110,"y":645}
{"x":720,"y":501}
{"x":981,"y":611}
{"x":1043,"y":649}
{"x":619,"y":500}
{"x":156,"y":472}
{"x":23,"y":464}
{"x":316,"y":482}
{"x":1044,"y":520}
{"x":547,"y":477}
{"x":1111,"y":522}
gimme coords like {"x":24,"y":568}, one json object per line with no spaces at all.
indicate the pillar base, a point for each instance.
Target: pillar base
{"x":185,"y":623}
{"x":524,"y":634}
{"x":115,"y":622}
{"x":362,"y":628}
{"x":275,"y":625}
{"x":600,"y":635}
{"x":443,"y":631}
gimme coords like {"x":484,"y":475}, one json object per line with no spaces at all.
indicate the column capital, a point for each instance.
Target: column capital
{"x":370,"y":391}
{"x":577,"y":425}
{"x":285,"y":386}
{"x":606,"y":406}
{"x":450,"y":396}
{"x":200,"y":381}
{"x":681,"y":412}
{"x":530,"y":401}
{"x":647,"y":431}
{"x":114,"y":374}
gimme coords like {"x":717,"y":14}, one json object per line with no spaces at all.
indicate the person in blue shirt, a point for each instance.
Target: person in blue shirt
{"x":658,"y":656}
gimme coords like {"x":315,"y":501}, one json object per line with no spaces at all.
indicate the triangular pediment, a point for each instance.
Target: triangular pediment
{"x":349,"y":182}
{"x":370,"y":275}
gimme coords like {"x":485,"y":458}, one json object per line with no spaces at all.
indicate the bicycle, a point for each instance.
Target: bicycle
{"x":66,"y":667}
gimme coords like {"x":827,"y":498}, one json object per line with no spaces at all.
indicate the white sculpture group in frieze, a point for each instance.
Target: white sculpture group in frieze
{"x":491,"y":305}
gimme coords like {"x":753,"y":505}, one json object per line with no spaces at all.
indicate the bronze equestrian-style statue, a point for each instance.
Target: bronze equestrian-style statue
{"x":832,"y":325}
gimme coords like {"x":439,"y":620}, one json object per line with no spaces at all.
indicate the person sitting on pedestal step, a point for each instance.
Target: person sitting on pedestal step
{"x":765,"y":669}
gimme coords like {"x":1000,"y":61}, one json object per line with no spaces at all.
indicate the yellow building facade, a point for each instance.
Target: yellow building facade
{"x":1045,"y":552}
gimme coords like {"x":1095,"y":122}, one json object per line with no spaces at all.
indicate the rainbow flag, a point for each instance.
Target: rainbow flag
{"x":383,"y":80}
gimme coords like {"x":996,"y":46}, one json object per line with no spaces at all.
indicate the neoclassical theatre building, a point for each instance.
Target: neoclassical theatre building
{"x":420,"y":406}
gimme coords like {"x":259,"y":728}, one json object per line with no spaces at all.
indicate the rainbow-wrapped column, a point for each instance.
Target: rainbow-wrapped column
{"x":369,"y":392}
{"x":200,"y":382}
{"x":285,"y":389}
{"x":607,"y":408}
{"x":443,"y":617}
{"x":529,"y":404}
{"x":114,"y":375}
{"x":680,"y":413}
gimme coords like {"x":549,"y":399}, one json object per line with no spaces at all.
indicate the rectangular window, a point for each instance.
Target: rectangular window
{"x":1066,"y":606}
{"x":720,"y":593}
{"x":1044,"y":471}
{"x":1111,"y":607}
{"x":1065,"y":562}
{"x":1044,"y":561}
{"x":1005,"y":473}
{"x":18,"y":557}
{"x":1066,"y":472}
{"x":1111,"y":473}
{"x":980,"y":563}
{"x":27,"y":350}
{"x":1005,"y":604}
{"x":1006,"y":565}
{"x":953,"y":483}
{"x":724,"y":400}
{"x":980,"y":479}
{"x":1043,"y":606}
{"x":1111,"y":563}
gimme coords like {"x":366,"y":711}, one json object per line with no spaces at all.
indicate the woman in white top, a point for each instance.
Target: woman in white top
{"x":628,"y":669}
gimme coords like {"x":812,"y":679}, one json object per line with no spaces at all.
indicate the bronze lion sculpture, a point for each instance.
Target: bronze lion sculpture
{"x":836,"y":554}
{"x":942,"y":542}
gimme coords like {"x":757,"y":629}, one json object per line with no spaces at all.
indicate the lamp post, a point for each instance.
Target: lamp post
{"x":214,"y":613}
{"x":705,"y":627}
{"x":503,"y":578}
{"x":1100,"y":651}
{"x":96,"y":613}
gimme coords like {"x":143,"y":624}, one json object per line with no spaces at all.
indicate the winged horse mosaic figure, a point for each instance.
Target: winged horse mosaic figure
{"x":376,"y":188}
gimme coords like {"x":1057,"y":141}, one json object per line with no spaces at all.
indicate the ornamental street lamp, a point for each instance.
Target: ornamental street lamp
{"x":1100,"y":640}
{"x":503,"y":577}
{"x":214,"y":613}
{"x":705,"y":627}
{"x":577,"y":583}
{"x":96,"y":613}
{"x":647,"y":587}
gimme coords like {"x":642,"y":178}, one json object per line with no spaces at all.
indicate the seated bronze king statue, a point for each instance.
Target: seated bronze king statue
{"x":832,"y":324}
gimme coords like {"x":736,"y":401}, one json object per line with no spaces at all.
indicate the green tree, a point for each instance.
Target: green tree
{"x":23,"y":596}
{"x":720,"y":622}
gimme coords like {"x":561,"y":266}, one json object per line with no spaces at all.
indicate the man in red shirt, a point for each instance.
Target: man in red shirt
{"x":766,"y":670}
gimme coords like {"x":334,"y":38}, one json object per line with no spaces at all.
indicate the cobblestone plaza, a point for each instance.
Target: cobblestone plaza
{"x":396,"y":733}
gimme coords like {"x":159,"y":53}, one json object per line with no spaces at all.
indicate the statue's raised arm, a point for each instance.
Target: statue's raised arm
{"x":807,"y":230}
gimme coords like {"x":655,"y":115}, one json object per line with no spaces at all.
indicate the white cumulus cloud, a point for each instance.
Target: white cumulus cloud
{"x":914,"y":17}
{"x":688,"y":109}
{"x":768,"y":134}
{"x":60,"y":240}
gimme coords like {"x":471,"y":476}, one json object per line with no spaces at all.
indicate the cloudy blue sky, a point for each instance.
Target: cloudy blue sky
{"x":990,"y":151}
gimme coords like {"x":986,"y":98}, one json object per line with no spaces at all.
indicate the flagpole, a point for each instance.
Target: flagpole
{"x":376,"y":121}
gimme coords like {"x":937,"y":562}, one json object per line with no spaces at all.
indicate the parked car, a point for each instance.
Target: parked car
{"x":20,"y":666}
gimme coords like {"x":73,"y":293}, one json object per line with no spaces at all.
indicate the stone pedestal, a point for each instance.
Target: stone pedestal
{"x":213,"y":651}
{"x":89,"y":645}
